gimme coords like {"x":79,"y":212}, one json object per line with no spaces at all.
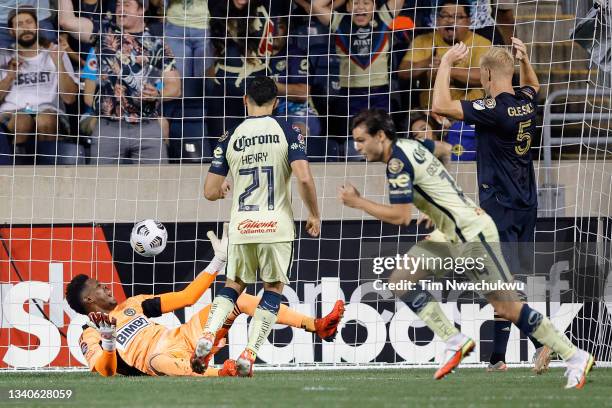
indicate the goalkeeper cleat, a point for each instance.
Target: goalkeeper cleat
{"x":541,"y":359}
{"x":220,"y":342}
{"x":201,"y":358}
{"x":457,"y":348}
{"x":497,"y":367}
{"x":229,"y":369}
{"x":245,"y":362}
{"x":327,"y":326}
{"x":578,"y":367}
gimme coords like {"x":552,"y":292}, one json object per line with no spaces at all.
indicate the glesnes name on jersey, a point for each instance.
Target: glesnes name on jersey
{"x":520,"y":110}
{"x":243,"y":142}
{"x":129,"y":331}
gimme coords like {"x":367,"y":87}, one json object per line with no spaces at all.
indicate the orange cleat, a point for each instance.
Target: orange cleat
{"x":454,"y":355}
{"x":229,"y":369}
{"x":327,"y":327}
{"x":245,"y":362}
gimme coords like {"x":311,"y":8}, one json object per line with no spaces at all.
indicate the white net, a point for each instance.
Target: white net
{"x":123,"y":128}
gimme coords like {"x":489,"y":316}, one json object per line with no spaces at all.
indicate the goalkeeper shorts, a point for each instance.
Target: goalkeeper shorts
{"x":271,"y":261}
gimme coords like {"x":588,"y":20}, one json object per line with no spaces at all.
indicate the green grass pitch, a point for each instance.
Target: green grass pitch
{"x":467,"y":387}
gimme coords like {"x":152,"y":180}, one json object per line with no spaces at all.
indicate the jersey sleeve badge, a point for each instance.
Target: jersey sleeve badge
{"x":129,"y":312}
{"x":478,"y":104}
{"x":490,"y":103}
{"x":224,"y":136}
{"x":395,"y":166}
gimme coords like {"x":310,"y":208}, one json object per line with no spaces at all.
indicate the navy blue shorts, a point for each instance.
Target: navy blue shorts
{"x":516,"y":233}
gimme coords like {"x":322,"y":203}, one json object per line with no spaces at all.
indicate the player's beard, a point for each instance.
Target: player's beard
{"x":30,"y":42}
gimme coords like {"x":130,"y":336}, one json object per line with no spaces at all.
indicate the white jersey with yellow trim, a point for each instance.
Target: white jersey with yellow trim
{"x":258,"y":153}
{"x":416,"y":176}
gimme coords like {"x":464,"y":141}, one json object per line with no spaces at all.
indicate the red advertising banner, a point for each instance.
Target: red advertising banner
{"x":36,"y":263}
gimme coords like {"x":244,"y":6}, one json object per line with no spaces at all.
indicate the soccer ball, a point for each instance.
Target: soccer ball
{"x":149,"y":238}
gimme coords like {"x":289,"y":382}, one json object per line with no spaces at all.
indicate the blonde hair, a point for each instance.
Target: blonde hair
{"x":498,"y":60}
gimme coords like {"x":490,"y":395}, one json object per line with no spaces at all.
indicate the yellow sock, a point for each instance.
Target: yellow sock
{"x":547,"y":334}
{"x":437,"y":321}
{"x":219,"y":311}
{"x":260,"y":328}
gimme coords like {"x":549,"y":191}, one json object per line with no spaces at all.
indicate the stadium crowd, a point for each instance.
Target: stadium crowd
{"x":158,"y":81}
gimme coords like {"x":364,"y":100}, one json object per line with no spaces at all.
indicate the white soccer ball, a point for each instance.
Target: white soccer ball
{"x":149,"y":238}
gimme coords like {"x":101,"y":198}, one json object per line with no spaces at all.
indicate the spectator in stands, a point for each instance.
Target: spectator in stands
{"x":136,"y":72}
{"x":423,"y":58}
{"x":423,"y":127}
{"x":241,"y":34}
{"x":289,"y":68}
{"x":188,"y":35}
{"x":46,"y":27}
{"x":81,"y":18}
{"x":492,"y":19}
{"x":362,"y":41}
{"x":187,"y":31}
{"x":36,"y":81}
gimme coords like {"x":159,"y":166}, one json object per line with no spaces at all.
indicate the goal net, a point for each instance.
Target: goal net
{"x":121,"y":125}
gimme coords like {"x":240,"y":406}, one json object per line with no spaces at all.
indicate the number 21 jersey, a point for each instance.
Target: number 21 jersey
{"x":258,"y":154}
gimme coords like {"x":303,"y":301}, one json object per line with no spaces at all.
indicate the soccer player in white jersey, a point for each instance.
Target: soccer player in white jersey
{"x":418,"y":179}
{"x":261,"y":153}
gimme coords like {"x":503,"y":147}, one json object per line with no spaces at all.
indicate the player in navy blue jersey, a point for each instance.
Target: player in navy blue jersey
{"x":505,"y":122}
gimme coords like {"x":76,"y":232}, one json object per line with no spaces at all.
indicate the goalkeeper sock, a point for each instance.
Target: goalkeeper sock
{"x":533,"y":323}
{"x":248,"y":304}
{"x":221,"y":307}
{"x":501,"y":334}
{"x":424,"y":306}
{"x":265,"y":317}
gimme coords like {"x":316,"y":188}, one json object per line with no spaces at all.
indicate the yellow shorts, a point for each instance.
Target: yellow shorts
{"x":272,"y":262}
{"x":485,"y":247}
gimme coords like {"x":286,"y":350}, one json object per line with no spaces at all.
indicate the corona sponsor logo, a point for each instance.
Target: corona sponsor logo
{"x":244,"y":142}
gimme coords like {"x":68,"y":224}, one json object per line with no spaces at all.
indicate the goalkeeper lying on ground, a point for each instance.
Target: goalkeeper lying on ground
{"x":121,"y":339}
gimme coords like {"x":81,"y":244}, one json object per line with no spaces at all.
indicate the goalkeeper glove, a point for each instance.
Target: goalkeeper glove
{"x":220,"y":248}
{"x":106,"y":326}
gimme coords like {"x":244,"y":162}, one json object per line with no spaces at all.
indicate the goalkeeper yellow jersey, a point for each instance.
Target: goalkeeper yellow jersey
{"x":416,"y":176}
{"x":258,"y":154}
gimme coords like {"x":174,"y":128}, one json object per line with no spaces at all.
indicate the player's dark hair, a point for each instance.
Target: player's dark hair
{"x":262,"y":90}
{"x":74,"y":291}
{"x":375,"y":120}
{"x":465,"y":3}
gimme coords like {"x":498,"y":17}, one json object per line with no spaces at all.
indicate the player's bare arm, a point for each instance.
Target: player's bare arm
{"x":308,"y":193}
{"x":442,"y":103}
{"x":528,"y":76}
{"x":216,"y":187}
{"x":442,"y":151}
{"x":397,"y":214}
{"x":172,"y":301}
